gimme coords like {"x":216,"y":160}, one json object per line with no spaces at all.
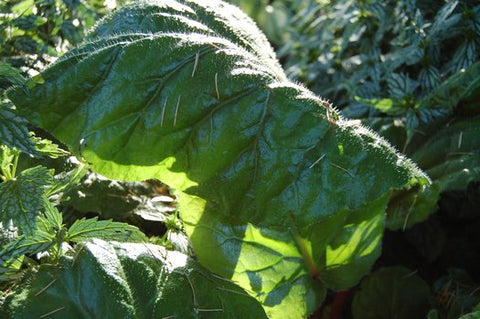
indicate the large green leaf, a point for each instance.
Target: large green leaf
{"x":120,"y":280}
{"x":276,"y":190}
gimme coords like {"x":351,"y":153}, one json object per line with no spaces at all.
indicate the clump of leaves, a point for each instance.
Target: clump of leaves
{"x":33,"y":32}
{"x":51,"y":237}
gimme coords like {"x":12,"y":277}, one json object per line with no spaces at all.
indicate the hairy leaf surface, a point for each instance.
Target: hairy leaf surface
{"x":120,"y":280}
{"x":276,"y":190}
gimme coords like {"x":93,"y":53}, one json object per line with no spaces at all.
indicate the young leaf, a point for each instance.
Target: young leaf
{"x":51,"y":221}
{"x":120,"y":280}
{"x":21,"y":198}
{"x":83,"y":229}
{"x":267,"y":174}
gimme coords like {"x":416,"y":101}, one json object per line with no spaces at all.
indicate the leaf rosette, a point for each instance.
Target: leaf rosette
{"x":277,"y":191}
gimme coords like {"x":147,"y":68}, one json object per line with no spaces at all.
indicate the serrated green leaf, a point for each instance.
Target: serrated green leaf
{"x":21,"y":198}
{"x":403,"y":294}
{"x":191,"y":95}
{"x":13,"y":131}
{"x":51,"y":221}
{"x":400,"y":85}
{"x":48,"y":148}
{"x":444,"y":21}
{"x":83,"y":229}
{"x":454,"y":89}
{"x":41,"y":241}
{"x":114,"y":280}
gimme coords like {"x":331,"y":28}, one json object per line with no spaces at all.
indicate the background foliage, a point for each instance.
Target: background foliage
{"x":408,"y":69}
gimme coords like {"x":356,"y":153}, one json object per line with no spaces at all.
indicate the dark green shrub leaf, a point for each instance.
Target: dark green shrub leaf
{"x":276,"y":190}
{"x":394,"y":292}
{"x":21,"y":198}
{"x":114,"y":280}
{"x":454,"y":89}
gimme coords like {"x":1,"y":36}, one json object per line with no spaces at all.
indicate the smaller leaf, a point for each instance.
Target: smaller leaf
{"x":400,"y":84}
{"x":400,"y":290}
{"x":429,"y":77}
{"x":51,"y":221}
{"x":83,"y":229}
{"x":21,"y":198}
{"x":10,"y":254}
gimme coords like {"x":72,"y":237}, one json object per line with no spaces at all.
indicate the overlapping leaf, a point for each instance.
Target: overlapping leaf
{"x":114,"y":280}
{"x":276,"y":190}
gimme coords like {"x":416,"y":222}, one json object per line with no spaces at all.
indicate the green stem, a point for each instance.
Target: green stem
{"x":306,"y":256}
{"x":15,"y":164}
